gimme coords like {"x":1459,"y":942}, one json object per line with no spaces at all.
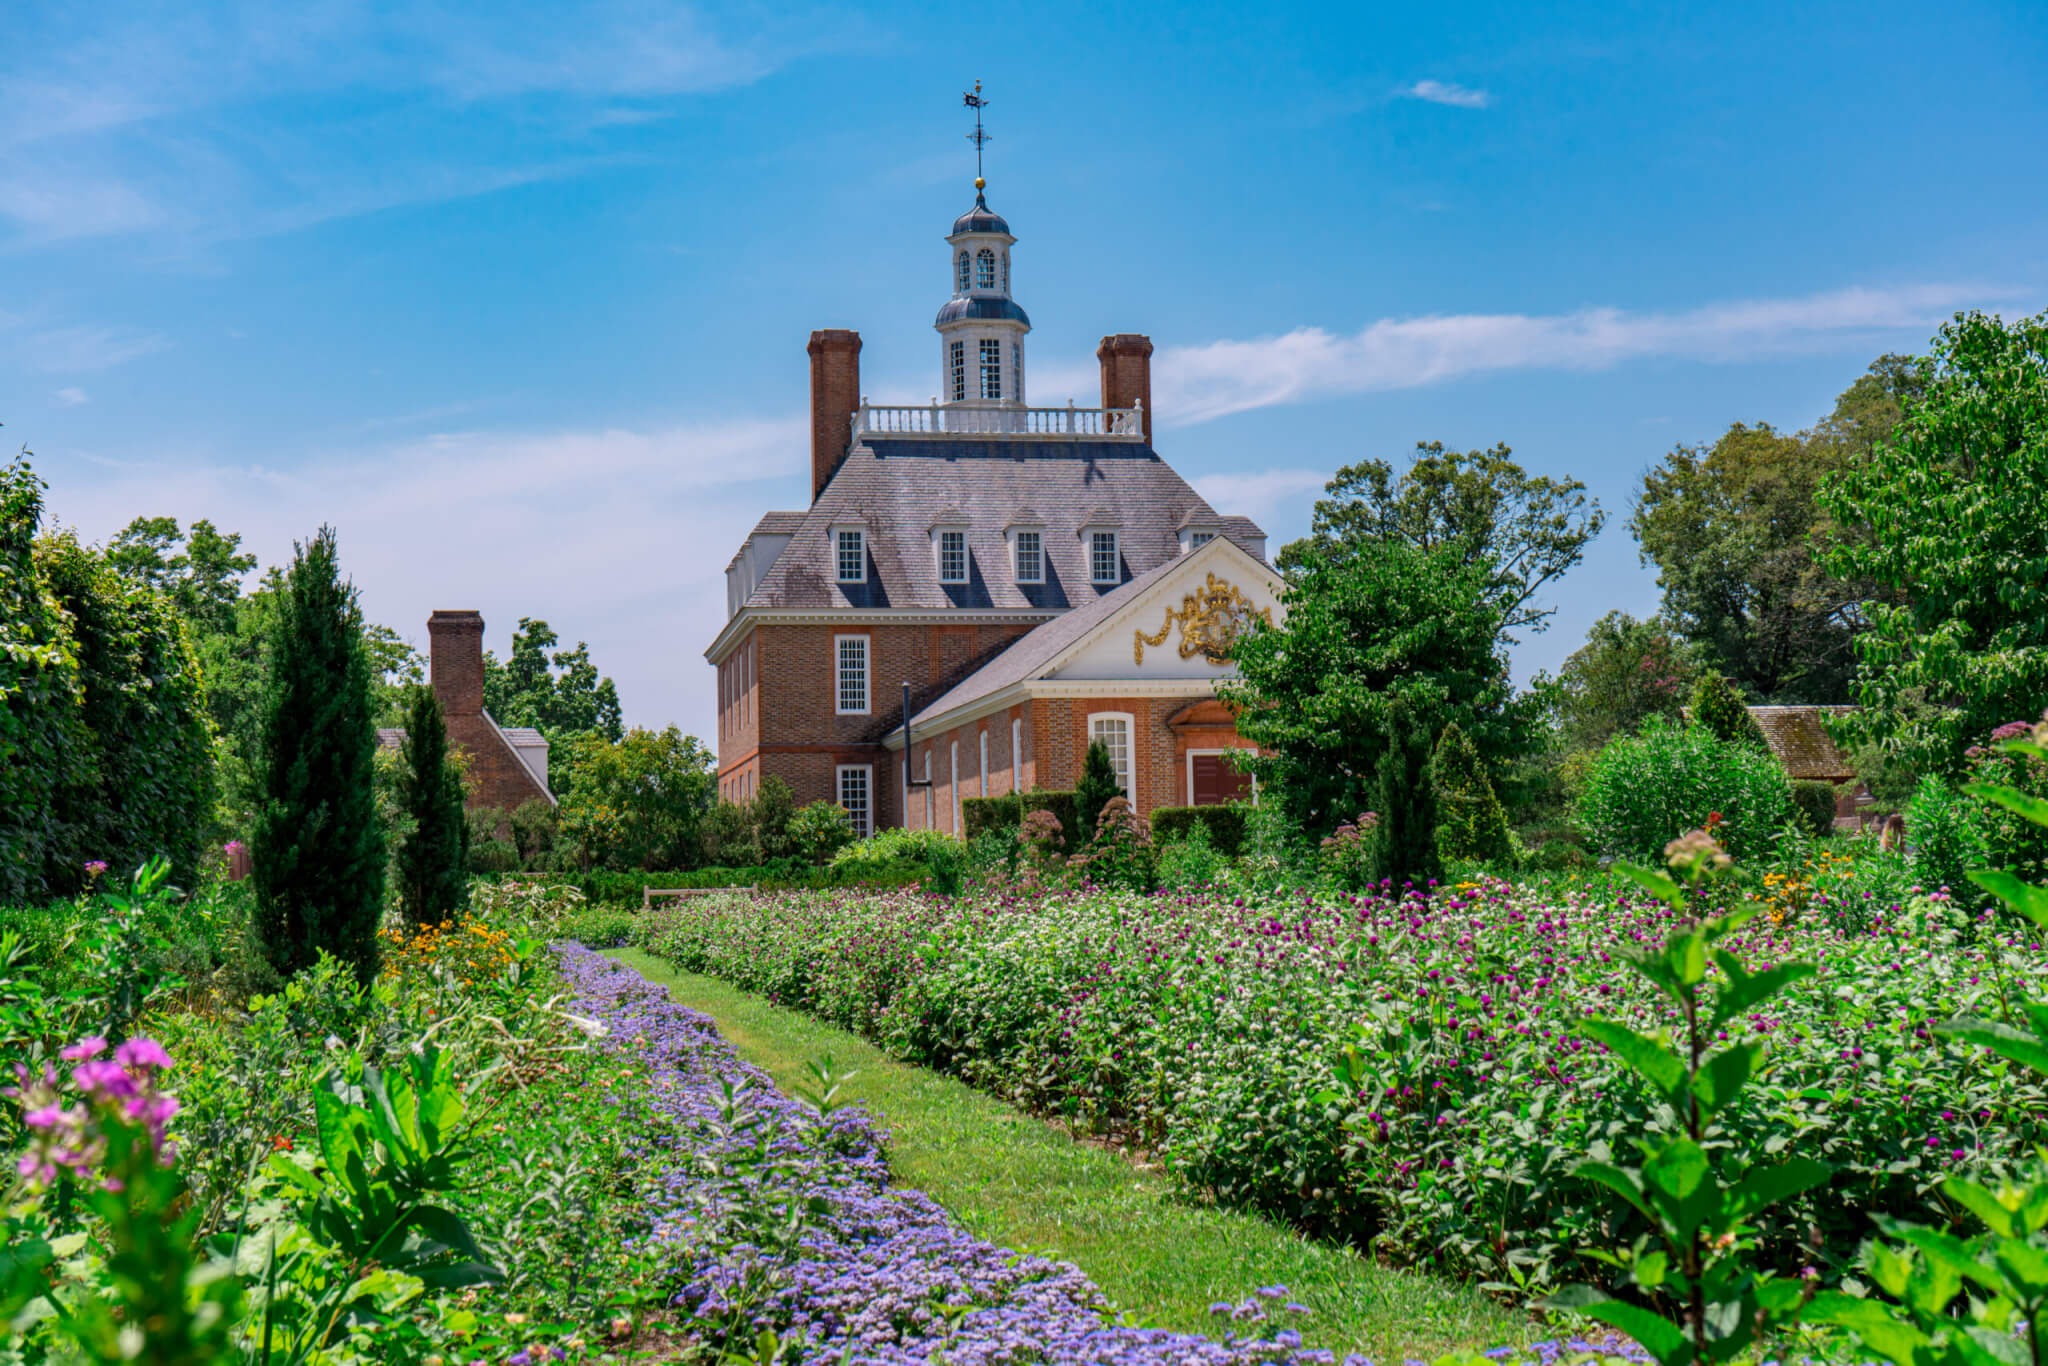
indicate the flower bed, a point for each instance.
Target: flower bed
{"x":780,"y":1219}
{"x":1407,"y":1075}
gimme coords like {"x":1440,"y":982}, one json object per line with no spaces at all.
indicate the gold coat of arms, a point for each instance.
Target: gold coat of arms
{"x":1211,"y":619}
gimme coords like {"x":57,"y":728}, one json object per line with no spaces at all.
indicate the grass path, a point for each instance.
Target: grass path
{"x":1023,"y":1184}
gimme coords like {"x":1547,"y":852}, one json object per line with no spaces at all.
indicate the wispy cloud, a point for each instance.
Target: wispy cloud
{"x":70,"y":398}
{"x":82,"y":349}
{"x":1443,"y":92}
{"x":1198,"y":383}
{"x":616,"y":535}
{"x":1258,"y":495}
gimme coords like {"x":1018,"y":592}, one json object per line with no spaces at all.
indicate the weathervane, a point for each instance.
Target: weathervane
{"x":979,"y":136}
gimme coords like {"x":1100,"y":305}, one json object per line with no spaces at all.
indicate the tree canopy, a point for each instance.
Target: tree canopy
{"x":1477,"y":507}
{"x":526,"y":690}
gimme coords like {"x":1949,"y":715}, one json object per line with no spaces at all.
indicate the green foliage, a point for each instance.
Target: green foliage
{"x":2011,"y":840}
{"x":1097,"y":786}
{"x":1645,"y":790}
{"x":1064,"y":806}
{"x":1402,"y":846}
{"x":1945,"y":834}
{"x":981,"y":815}
{"x":886,"y":849}
{"x":1719,"y":710}
{"x":1188,"y":860}
{"x":1709,"y":1301}
{"x":433,"y":859}
{"x":317,"y":845}
{"x":535,"y":825}
{"x":1119,"y":854}
{"x":203,"y":576}
{"x":142,"y":780}
{"x":1481,"y":506}
{"x":1625,"y":673}
{"x":1943,"y":512}
{"x":491,"y":856}
{"x":819,"y":830}
{"x":525,"y":690}
{"x":637,"y":802}
{"x":1362,"y":631}
{"x":1470,"y":826}
{"x":769,"y":814}
{"x":1815,"y":799}
{"x":1223,"y":827}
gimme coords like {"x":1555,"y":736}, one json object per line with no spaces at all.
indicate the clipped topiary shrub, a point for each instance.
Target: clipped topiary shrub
{"x":1470,"y":822}
{"x":1816,"y":802}
{"x":1645,"y":790}
{"x":979,"y":815}
{"x":1224,"y":826}
{"x":1098,"y":784}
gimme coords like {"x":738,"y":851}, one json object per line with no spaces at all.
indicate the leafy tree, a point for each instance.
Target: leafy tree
{"x":637,"y":803}
{"x":1404,"y":846}
{"x":1481,"y":506}
{"x":770,"y":813}
{"x":42,"y":727}
{"x":1361,"y":631}
{"x":142,"y":783}
{"x":1625,"y":673}
{"x":1098,"y":784}
{"x":203,"y":577}
{"x":1646,"y":790}
{"x":819,"y":830}
{"x":317,"y":845}
{"x":1731,"y":528}
{"x":1470,"y":824}
{"x":1948,"y":518}
{"x":1718,"y":708}
{"x":524,"y":690}
{"x":433,"y":859}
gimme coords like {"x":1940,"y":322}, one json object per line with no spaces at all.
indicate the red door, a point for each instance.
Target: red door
{"x":1216,"y":780}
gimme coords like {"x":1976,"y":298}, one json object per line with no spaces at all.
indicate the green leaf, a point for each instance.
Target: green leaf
{"x":1982,"y":1203}
{"x":2034,"y":809}
{"x":2000,"y":1345}
{"x":2028,"y":900}
{"x":1656,"y":883}
{"x":1952,"y":1252}
{"x":447,"y":1231}
{"x":1658,"y":1065}
{"x":2023,"y":1263}
{"x":1660,"y":1337}
{"x":1873,"y":1323}
{"x":1725,"y":1074}
{"x":2027,"y":1050}
{"x":341,"y":1137}
{"x":1677,"y":1179}
{"x":1766,"y":1186}
{"x":1746,"y":990}
{"x":1620,"y":1180}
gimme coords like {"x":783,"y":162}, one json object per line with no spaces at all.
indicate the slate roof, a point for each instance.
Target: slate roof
{"x":1802,"y":744}
{"x":980,"y":306}
{"x":897,"y":489}
{"x":980,"y":218}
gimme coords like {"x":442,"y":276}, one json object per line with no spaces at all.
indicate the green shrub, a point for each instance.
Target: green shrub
{"x":1120,"y":854}
{"x":534,"y":825}
{"x":979,"y":815}
{"x":1816,"y":802}
{"x":493,"y":856}
{"x":599,"y":927}
{"x":1098,"y":784}
{"x":1946,"y":836}
{"x":1562,"y":856}
{"x":1403,"y":845}
{"x":886,"y":847}
{"x":819,"y":830}
{"x":1647,"y":789}
{"x":1470,"y":825}
{"x":433,"y":876}
{"x":1190,"y":860}
{"x":1222,"y":826}
{"x":1718,"y":709}
{"x":770,"y":814}
{"x":2012,"y":842}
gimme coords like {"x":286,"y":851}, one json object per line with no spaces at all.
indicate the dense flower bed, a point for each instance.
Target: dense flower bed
{"x":1406,"y":1074}
{"x":779,"y":1219}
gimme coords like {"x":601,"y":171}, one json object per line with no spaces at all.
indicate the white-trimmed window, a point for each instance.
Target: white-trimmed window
{"x":1113,"y":729}
{"x":851,"y":552}
{"x":991,"y":368}
{"x":985,"y":269}
{"x":1017,"y":369}
{"x":1198,"y":539}
{"x":850,"y":674}
{"x":952,"y":557}
{"x":857,"y":795}
{"x":960,"y":275}
{"x":959,"y":368}
{"x":1104,"y":563}
{"x":1029,"y":549}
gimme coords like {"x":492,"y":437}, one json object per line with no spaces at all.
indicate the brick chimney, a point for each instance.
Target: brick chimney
{"x":835,"y":393}
{"x":1127,"y":373}
{"x":455,"y":663}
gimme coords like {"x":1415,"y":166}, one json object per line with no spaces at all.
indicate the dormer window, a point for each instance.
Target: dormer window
{"x":1105,"y":564}
{"x":1198,"y":539}
{"x":851,"y":553}
{"x":952,"y":557}
{"x":1028,"y":548}
{"x":960,"y":275}
{"x":985,"y":269}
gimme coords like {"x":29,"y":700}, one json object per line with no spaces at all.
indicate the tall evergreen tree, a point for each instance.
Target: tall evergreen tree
{"x":1470,"y":823}
{"x":1717,"y":707}
{"x":1098,"y":784}
{"x":317,"y":844}
{"x":1404,"y":843}
{"x":433,"y":862}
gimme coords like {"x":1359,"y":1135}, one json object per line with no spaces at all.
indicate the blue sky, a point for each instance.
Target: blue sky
{"x":516,"y":295}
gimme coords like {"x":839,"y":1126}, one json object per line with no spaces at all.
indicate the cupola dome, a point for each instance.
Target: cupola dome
{"x":980,"y":218}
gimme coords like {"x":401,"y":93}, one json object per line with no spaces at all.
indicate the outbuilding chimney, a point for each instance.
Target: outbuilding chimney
{"x":455,"y":662}
{"x":1127,"y":373}
{"x":835,"y":393}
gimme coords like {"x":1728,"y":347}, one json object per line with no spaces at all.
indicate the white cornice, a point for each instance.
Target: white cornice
{"x":748,"y":617}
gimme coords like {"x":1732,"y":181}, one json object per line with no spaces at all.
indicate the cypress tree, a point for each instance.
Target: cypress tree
{"x":1098,"y":784}
{"x":317,"y":844}
{"x":433,"y":862}
{"x":1471,"y":824}
{"x":1404,"y":842}
{"x":1718,"y":708}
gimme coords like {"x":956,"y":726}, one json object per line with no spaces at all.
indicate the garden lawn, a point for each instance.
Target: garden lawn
{"x":1016,"y":1181}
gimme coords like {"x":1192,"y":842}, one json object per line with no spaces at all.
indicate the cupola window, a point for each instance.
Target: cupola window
{"x":1006,"y":272}
{"x":985,"y":269}
{"x":960,"y":275}
{"x":959,"y":368}
{"x":991,"y":368}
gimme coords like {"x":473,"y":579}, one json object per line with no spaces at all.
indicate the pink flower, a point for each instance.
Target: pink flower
{"x":141,"y":1052}
{"x":84,"y":1048}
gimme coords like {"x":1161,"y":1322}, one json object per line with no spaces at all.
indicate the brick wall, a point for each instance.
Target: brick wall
{"x":1126,"y":360}
{"x":455,"y":665}
{"x":835,"y":393}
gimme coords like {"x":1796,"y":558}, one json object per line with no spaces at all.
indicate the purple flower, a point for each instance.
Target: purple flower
{"x":142,"y":1052}
{"x":84,"y":1048}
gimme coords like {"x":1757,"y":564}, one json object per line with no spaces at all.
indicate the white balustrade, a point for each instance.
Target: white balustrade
{"x":937,"y":419}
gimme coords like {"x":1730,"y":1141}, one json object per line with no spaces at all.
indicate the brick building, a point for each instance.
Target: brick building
{"x":1029,"y":578}
{"x":508,"y":765}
